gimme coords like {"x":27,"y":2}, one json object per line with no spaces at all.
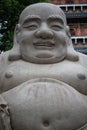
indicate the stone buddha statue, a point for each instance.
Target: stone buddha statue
{"x":43,"y":80}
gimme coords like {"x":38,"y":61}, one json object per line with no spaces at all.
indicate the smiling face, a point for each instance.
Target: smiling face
{"x":42,"y":35}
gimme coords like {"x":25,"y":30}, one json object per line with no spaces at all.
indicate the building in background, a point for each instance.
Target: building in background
{"x":76,"y":14}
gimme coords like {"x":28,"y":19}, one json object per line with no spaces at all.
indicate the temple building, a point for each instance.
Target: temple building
{"x":76,"y":14}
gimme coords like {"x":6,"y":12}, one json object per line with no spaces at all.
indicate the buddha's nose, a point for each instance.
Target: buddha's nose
{"x":44,"y":32}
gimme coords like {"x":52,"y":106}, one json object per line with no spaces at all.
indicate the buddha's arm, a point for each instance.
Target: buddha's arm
{"x":83,"y":59}
{"x":1,"y":124}
{"x":4,"y":115}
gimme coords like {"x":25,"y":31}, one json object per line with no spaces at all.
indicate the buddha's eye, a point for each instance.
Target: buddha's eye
{"x":56,"y":27}
{"x":32,"y":27}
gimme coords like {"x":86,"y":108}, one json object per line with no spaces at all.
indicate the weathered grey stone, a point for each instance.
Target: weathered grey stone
{"x":43,"y":80}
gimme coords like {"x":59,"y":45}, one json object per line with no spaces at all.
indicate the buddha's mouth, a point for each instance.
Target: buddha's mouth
{"x":44,"y":45}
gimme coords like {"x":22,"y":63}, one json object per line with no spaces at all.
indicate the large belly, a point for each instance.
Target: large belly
{"x":46,"y":104}
{"x":18,"y":73}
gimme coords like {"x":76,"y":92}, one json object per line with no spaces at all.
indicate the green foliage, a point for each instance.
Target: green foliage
{"x":9,"y":12}
{"x":27,"y":2}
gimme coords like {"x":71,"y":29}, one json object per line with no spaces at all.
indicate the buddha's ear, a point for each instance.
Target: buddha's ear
{"x":68,"y":31}
{"x":16,"y":33}
{"x":15,"y":51}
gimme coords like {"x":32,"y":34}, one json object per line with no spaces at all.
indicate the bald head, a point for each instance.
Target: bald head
{"x":42,"y":9}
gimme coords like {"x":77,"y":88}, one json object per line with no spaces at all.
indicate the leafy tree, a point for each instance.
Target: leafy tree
{"x":9,"y":12}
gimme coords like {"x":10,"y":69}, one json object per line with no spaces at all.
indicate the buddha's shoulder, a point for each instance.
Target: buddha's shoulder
{"x":4,"y":60}
{"x":4,"y":56}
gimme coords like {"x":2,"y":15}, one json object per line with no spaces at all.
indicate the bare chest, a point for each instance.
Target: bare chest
{"x":70,"y":73}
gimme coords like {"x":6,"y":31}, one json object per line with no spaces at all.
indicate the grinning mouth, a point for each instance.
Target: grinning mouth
{"x":44,"y":44}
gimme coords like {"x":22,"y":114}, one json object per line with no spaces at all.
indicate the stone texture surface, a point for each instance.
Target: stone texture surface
{"x":43,"y":80}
